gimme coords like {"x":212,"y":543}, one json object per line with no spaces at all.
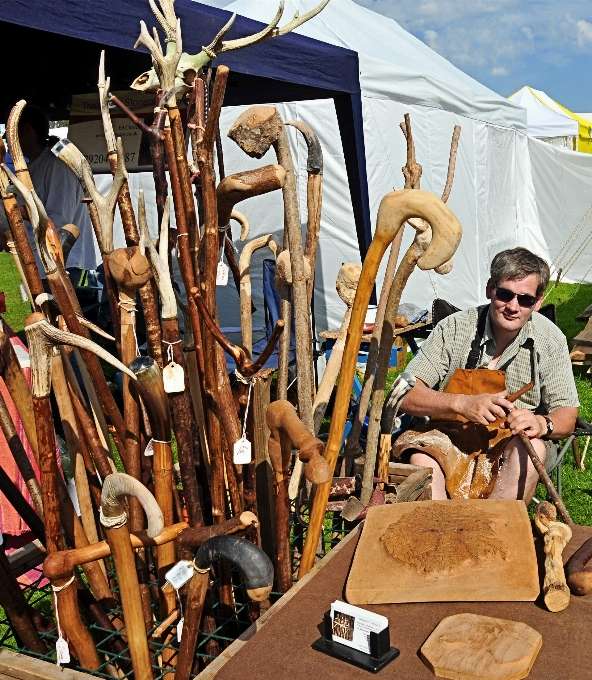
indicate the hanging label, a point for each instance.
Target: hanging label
{"x":149,"y":450}
{"x":242,"y":451}
{"x":173,"y":378}
{"x":222,"y":274}
{"x":178,"y":575}
{"x":62,"y":651}
{"x":180,"y":628}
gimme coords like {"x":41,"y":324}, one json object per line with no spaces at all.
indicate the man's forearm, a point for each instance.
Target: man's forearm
{"x":564,"y":421}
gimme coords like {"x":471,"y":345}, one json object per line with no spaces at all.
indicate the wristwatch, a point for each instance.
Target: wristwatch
{"x":550,"y":428}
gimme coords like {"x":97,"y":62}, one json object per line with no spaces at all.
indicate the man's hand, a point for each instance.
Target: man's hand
{"x":523,"y":420}
{"x":483,"y":408}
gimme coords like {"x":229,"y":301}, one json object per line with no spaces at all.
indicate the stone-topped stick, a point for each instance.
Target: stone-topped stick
{"x":255,"y":131}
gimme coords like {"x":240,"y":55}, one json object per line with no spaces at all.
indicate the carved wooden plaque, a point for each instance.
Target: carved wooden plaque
{"x":445,"y":551}
{"x":474,"y":647}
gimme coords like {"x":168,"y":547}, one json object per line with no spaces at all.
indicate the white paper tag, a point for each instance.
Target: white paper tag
{"x":149,"y":450}
{"x":62,"y":651}
{"x":352,"y":625}
{"x":178,"y":575}
{"x":222,"y":274}
{"x":242,"y":451}
{"x":173,"y":378}
{"x":180,"y":628}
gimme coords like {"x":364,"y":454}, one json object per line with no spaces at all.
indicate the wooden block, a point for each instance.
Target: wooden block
{"x":474,"y":647}
{"x":21,"y":667}
{"x":403,"y":469}
{"x":412,"y":488}
{"x":448,"y":551}
{"x":584,"y":337}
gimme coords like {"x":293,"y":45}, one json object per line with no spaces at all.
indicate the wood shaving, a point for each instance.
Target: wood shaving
{"x":443,"y":539}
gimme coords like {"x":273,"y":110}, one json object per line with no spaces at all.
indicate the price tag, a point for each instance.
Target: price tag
{"x":242,"y":451}
{"x":179,"y":574}
{"x":180,"y":628}
{"x":62,"y":651}
{"x":173,"y":378}
{"x":149,"y":450}
{"x":222,"y":274}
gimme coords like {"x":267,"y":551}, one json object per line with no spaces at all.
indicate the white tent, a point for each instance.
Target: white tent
{"x":496,"y":189}
{"x":545,"y":119}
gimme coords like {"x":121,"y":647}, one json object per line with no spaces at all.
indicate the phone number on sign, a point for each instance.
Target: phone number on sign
{"x":104,"y":158}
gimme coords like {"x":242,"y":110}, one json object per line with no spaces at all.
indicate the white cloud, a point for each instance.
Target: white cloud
{"x":430,"y":37}
{"x":584,"y":33}
{"x":527,"y":31}
{"x":499,"y":71}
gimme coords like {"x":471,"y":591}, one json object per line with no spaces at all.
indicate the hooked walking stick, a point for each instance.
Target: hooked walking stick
{"x":114,"y":517}
{"x":256,"y":570}
{"x":246,"y":300}
{"x":255,"y":131}
{"x":395,"y":209}
{"x":287,"y":430}
{"x":314,"y":196}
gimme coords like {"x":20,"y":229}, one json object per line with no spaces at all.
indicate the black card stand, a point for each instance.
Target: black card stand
{"x":381,"y":652}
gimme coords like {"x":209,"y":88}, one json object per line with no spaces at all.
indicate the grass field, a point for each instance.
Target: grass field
{"x":570,"y":300}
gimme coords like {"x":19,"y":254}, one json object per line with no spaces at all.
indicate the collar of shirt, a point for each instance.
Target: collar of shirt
{"x":488,"y":343}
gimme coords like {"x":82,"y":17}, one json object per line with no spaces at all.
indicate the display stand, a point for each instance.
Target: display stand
{"x":381,"y":652}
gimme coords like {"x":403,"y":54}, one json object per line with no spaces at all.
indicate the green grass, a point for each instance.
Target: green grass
{"x":16,"y":310}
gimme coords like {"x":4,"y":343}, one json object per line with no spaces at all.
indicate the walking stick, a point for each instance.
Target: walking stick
{"x":151,"y":389}
{"x":256,"y":570}
{"x":246,"y":299}
{"x":147,"y":292}
{"x":404,"y":271}
{"x":114,"y":517}
{"x":287,"y":430}
{"x":179,"y":400}
{"x":66,"y":299}
{"x":395,"y":209}
{"x":314,"y":196}
{"x":255,"y":131}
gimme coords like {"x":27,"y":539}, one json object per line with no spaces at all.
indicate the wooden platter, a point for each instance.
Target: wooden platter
{"x":475,"y":647}
{"x":445,"y":551}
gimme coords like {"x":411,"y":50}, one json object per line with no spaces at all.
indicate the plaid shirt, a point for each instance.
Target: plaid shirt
{"x":449,"y":344}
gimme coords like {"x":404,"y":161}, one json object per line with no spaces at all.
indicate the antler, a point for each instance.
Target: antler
{"x":188,"y":65}
{"x":103,"y":85}
{"x":158,"y":260}
{"x":165,"y":65}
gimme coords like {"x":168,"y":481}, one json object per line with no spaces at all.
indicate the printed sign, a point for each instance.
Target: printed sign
{"x":352,"y":625}
{"x":86,"y":129}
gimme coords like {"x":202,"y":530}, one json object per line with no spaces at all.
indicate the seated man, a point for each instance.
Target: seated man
{"x":478,"y":358}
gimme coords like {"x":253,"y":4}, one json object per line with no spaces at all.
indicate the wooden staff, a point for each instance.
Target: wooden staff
{"x":128,"y":219}
{"x":149,"y":383}
{"x":412,"y":173}
{"x":395,"y":209}
{"x":256,"y":570}
{"x":404,"y":271}
{"x":179,"y":401}
{"x":64,"y":295}
{"x":246,"y":299}
{"x":287,"y":430}
{"x":314,"y":197}
{"x":113,"y":517}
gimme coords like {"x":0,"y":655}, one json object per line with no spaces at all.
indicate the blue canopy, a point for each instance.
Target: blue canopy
{"x":50,"y":51}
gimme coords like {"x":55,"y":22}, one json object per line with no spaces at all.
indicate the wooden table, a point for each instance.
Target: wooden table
{"x":278,"y":645}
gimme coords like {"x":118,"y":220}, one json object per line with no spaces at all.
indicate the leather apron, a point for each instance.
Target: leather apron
{"x":468,"y":453}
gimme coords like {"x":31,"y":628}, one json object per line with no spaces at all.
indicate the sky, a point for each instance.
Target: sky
{"x":504,"y":44}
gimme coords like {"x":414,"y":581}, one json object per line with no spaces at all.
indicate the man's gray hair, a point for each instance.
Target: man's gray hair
{"x":516,"y":264}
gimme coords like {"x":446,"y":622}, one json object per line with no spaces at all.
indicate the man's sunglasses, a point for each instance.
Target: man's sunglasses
{"x":524,"y":300}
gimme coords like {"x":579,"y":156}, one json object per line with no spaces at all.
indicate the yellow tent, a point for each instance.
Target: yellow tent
{"x":584,"y":137}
